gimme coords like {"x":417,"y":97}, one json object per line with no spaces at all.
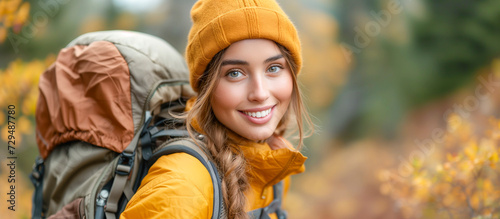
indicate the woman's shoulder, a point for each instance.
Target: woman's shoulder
{"x":176,"y":185}
{"x":178,"y":166}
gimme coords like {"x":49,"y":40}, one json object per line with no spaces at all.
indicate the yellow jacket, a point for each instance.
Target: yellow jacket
{"x":179,"y":186}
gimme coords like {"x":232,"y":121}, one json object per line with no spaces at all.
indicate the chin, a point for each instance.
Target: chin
{"x":258,"y":137}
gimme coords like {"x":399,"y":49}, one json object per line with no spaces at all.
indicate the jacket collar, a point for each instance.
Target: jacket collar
{"x":267,"y":167}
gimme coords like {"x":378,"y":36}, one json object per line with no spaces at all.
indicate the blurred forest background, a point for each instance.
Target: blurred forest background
{"x":404,"y":94}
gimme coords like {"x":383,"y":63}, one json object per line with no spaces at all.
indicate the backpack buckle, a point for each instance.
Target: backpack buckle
{"x":38,"y":170}
{"x":125,"y":163}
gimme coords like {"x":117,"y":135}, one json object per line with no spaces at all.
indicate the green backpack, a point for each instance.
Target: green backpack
{"x":104,"y":117}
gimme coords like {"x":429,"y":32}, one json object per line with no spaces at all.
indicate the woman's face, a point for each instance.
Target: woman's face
{"x":254,"y":88}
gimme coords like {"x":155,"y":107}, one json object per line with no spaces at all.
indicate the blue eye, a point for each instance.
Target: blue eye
{"x":274,"y":69}
{"x":234,"y":74}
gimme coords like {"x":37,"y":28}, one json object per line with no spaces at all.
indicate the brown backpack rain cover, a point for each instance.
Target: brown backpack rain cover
{"x":96,"y":89}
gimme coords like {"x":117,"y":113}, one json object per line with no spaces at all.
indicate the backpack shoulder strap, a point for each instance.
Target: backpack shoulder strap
{"x":189,"y":147}
{"x":123,"y":168}
{"x":273,"y":207}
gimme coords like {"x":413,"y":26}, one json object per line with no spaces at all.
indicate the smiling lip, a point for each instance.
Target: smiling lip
{"x":260,"y":115}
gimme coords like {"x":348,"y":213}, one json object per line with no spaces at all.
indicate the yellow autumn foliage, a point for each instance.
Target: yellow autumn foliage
{"x":13,"y":14}
{"x":463,"y":184}
{"x":20,"y":89}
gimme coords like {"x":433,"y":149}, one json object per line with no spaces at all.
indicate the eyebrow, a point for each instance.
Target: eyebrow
{"x":274,"y":58}
{"x":234,"y":62}
{"x":241,"y":62}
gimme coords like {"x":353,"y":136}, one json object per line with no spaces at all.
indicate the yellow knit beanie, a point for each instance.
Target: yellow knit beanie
{"x":219,"y":23}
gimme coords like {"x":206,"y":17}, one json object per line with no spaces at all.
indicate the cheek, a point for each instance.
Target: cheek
{"x":283,"y":89}
{"x":224,"y":98}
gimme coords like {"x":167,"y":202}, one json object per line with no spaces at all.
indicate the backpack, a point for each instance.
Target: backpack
{"x":103,"y":118}
{"x":107,"y":93}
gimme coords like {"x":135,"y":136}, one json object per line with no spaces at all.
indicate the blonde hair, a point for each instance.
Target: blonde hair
{"x":224,"y":150}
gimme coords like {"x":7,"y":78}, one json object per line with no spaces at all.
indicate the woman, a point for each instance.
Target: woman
{"x":243,"y":56}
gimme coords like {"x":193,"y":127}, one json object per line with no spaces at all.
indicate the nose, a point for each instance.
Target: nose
{"x":258,"y":89}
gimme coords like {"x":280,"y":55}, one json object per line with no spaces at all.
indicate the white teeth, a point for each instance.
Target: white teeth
{"x":259,"y":114}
